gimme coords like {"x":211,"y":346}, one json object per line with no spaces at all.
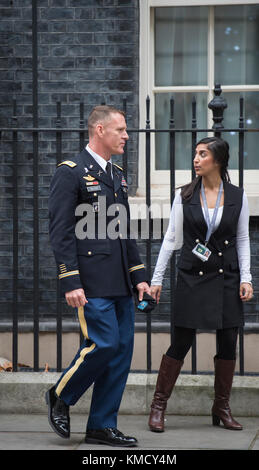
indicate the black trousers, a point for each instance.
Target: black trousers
{"x":183,"y":339}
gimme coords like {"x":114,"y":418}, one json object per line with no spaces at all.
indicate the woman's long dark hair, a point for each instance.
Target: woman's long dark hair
{"x":220,"y":151}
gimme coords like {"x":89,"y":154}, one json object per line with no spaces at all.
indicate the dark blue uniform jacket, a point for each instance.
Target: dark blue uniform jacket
{"x":89,"y":231}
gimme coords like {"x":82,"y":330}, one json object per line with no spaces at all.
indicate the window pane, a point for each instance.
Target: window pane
{"x":236,"y":45}
{"x":231,"y":120}
{"x":181,"y":37}
{"x":183,"y":120}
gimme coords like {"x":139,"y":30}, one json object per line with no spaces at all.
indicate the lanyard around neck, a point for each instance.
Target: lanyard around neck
{"x":211,"y":223}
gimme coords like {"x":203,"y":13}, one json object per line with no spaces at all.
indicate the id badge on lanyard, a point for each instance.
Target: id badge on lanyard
{"x":200,"y":250}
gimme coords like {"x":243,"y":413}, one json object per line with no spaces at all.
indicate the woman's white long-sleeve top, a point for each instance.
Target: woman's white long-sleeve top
{"x":173,"y":239}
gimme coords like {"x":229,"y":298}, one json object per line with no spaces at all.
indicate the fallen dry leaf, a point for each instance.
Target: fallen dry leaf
{"x":5,"y":365}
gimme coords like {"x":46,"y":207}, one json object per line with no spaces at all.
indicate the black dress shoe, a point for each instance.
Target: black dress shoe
{"x":109,"y":436}
{"x":58,"y":414}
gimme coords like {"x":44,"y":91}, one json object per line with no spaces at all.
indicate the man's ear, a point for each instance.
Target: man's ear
{"x":99,"y":129}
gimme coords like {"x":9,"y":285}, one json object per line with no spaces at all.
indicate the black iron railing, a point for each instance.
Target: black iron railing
{"x":217,"y":105}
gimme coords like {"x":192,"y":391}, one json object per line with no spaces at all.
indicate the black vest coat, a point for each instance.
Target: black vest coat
{"x":207,"y":293}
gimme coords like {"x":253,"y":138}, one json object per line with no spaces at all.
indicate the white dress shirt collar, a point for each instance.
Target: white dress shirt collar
{"x":100,"y":160}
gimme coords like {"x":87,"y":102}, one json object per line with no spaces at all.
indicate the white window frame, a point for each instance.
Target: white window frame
{"x":160,"y":179}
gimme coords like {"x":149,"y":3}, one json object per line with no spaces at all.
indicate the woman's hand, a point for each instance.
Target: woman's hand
{"x":246,"y":291}
{"x":156,"y":292}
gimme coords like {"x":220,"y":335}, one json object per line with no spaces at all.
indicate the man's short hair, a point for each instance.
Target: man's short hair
{"x":100,"y":114}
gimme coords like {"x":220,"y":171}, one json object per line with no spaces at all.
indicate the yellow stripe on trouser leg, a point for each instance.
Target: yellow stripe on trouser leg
{"x":82,"y":321}
{"x":83,"y":353}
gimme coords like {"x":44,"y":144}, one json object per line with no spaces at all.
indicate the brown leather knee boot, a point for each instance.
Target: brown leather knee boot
{"x":167,"y":376}
{"x":224,"y":372}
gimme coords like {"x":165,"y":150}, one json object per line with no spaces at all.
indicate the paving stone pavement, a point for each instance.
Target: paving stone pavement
{"x":32,"y":432}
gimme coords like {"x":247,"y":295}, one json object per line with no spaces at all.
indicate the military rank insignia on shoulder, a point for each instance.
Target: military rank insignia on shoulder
{"x":68,"y":163}
{"x":119,"y":167}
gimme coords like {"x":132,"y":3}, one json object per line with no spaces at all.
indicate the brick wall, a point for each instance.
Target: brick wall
{"x":252,"y":307}
{"x":87,"y":51}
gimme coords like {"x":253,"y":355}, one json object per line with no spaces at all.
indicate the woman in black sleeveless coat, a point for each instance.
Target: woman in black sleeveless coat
{"x":209,"y":294}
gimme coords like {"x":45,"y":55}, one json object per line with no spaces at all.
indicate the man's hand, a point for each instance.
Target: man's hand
{"x":76,"y":298}
{"x":143,"y":287}
{"x":156,"y":292}
{"x":246,"y":291}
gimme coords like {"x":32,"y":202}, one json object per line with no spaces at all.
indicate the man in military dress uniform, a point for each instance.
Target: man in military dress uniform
{"x":97,"y":274}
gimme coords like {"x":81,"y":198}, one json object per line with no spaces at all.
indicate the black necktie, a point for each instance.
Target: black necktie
{"x":109,"y":170}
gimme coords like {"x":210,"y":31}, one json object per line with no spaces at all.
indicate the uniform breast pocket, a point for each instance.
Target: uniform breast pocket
{"x":91,"y":193}
{"x":92,"y":248}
